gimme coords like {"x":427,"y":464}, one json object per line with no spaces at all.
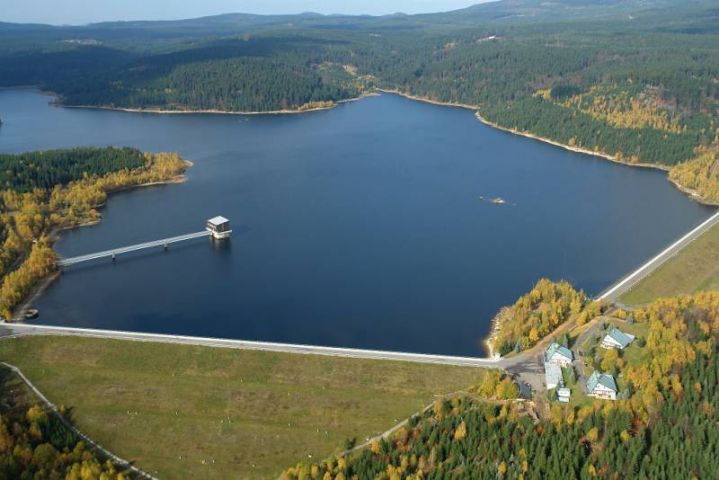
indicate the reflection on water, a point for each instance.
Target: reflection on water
{"x":222,"y":246}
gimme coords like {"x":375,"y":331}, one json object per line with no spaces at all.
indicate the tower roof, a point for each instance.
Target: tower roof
{"x":218,"y":220}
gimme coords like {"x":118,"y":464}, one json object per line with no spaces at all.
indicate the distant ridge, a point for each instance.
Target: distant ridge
{"x":484,"y":12}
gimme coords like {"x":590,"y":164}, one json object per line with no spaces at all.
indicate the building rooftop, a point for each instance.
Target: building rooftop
{"x":601,"y":379}
{"x":557,"y":348}
{"x":219,"y":220}
{"x":623,"y":339}
{"x":553,"y":375}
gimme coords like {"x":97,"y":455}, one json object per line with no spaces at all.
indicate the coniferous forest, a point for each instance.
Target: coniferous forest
{"x":473,"y":439}
{"x":635,"y":80}
{"x":667,"y":428}
{"x":27,"y":171}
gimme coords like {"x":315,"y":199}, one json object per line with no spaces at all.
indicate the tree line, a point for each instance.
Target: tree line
{"x":25,"y":172}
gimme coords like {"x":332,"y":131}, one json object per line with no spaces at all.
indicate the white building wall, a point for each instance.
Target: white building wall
{"x":600,"y":391}
{"x":559,"y":360}
{"x":609,"y":342}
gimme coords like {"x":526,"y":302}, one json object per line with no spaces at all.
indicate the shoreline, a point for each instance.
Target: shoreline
{"x":55,"y":234}
{"x":692,"y":194}
{"x":495,"y":324}
{"x":161,"y":111}
{"x":488,"y":341}
{"x":489,"y":123}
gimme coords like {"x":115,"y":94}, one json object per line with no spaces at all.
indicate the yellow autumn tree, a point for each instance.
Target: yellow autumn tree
{"x":461,"y":431}
{"x":536,"y":314}
{"x":701,"y":174}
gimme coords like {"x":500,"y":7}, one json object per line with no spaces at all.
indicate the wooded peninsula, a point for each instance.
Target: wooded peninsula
{"x":43,"y":192}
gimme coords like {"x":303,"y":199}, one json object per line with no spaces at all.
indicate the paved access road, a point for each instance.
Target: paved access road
{"x":619,"y":289}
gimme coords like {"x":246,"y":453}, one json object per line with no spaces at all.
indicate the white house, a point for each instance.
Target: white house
{"x":556,"y":354}
{"x":602,"y":385}
{"x":615,"y":338}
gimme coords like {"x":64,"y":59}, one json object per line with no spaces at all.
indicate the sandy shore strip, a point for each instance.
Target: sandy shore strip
{"x":161,"y":111}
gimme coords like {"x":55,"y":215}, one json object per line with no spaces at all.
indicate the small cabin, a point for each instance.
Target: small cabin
{"x":219,"y":227}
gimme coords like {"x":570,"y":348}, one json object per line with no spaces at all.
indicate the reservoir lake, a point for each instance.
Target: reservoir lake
{"x":363,"y":226}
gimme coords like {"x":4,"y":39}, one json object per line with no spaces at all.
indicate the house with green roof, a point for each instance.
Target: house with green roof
{"x":559,"y":355}
{"x":615,"y":338}
{"x":602,"y":385}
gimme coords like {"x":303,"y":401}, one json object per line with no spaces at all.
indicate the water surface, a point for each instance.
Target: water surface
{"x":360,"y":226}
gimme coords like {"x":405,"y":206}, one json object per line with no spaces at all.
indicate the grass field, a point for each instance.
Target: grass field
{"x":196,"y":412}
{"x":694,"y":269}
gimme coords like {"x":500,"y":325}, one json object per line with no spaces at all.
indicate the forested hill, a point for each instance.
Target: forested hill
{"x":634,"y":79}
{"x":665,"y":426}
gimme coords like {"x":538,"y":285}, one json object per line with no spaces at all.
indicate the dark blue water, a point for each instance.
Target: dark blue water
{"x":360,"y":226}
